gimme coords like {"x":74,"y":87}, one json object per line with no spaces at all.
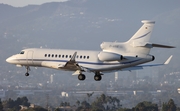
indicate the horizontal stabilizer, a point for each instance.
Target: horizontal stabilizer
{"x":162,"y":46}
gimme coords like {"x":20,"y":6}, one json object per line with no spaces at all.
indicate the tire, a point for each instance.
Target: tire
{"x":81,"y":77}
{"x":97,"y":77}
{"x":27,"y":74}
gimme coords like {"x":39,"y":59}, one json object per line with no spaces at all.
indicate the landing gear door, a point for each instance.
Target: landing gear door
{"x":29,"y":57}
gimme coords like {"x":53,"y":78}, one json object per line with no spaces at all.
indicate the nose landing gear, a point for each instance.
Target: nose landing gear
{"x":27,"y":70}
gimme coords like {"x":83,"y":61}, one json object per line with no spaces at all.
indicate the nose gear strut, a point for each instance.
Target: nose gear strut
{"x":27,"y":70}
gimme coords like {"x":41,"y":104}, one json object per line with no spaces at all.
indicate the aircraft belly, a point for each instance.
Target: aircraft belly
{"x":102,"y":67}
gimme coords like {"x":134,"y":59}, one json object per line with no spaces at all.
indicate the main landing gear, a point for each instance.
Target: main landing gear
{"x":27,"y":70}
{"x":97,"y":76}
{"x":81,"y":77}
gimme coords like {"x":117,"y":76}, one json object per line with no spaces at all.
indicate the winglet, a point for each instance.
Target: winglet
{"x":168,"y":60}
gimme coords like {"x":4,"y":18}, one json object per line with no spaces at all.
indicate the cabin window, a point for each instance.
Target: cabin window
{"x":52,"y":55}
{"x":87,"y":57}
{"x":56,"y":55}
{"x":84,"y":57}
{"x":59,"y":56}
{"x":77,"y":56}
{"x":80,"y":57}
{"x":66,"y":56}
{"x":69,"y":56}
{"x":62,"y":56}
{"x":22,"y":52}
{"x":49,"y":55}
{"x":45,"y":55}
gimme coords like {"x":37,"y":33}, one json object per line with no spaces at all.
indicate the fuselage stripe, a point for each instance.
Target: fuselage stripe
{"x":80,"y":62}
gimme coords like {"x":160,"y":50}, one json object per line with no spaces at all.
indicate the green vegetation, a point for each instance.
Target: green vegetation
{"x":170,"y":106}
{"x":15,"y":104}
{"x":108,"y":103}
{"x":101,"y":103}
{"x":1,"y":106}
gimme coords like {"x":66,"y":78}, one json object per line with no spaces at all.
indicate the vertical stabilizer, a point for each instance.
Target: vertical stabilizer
{"x":142,"y":36}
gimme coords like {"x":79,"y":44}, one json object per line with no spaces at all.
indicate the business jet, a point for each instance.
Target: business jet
{"x":114,"y":56}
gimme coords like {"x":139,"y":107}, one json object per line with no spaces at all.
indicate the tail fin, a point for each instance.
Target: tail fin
{"x":142,"y":36}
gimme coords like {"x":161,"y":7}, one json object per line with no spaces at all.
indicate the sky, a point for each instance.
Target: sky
{"x":21,"y":3}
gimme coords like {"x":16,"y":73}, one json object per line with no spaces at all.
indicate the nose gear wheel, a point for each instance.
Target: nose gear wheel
{"x":27,"y":70}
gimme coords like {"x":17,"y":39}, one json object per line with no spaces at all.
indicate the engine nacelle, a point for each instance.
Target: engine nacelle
{"x":150,"y":57}
{"x":108,"y":56}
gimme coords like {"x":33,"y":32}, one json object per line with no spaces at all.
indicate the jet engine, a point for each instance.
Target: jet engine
{"x":108,"y":56}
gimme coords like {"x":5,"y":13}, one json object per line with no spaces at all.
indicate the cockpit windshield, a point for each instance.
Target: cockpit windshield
{"x":22,"y":52}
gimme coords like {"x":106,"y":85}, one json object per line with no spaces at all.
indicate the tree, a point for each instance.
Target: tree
{"x":125,"y":109}
{"x":103,"y":98}
{"x":9,"y":103}
{"x":146,"y":106}
{"x":85,"y":105}
{"x":57,"y":109}
{"x":89,"y":95}
{"x":97,"y":106}
{"x":164,"y":107}
{"x":140,"y":107}
{"x":1,"y":106}
{"x":14,"y":104}
{"x":171,"y":105}
{"x":62,"y":104}
{"x":36,"y":109}
{"x":68,"y":104}
{"x":22,"y":101}
{"x":65,"y":103}
{"x":78,"y":102}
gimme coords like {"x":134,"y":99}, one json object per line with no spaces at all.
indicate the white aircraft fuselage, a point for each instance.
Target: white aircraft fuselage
{"x":88,"y":59}
{"x":114,"y":56}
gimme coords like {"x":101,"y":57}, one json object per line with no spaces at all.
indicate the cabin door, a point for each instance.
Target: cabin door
{"x":29,"y":57}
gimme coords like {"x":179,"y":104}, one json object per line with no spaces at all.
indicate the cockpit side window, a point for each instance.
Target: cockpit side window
{"x":22,"y":52}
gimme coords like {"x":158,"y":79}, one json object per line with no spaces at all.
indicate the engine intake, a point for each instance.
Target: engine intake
{"x":108,"y":56}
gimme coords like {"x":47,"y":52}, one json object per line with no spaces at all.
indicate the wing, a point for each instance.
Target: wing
{"x":151,"y":65}
{"x":71,"y":64}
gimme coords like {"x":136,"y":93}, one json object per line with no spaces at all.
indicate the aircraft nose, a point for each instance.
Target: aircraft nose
{"x":8,"y":60}
{"x":11,"y":60}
